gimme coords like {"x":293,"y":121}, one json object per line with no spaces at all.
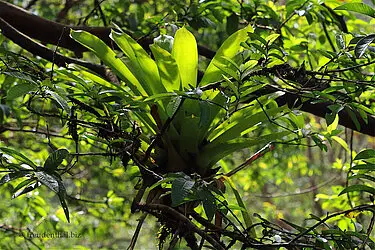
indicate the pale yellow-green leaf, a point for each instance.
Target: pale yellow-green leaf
{"x":230,"y":47}
{"x":143,"y":67}
{"x":109,"y":57}
{"x":185,"y":52}
{"x":340,"y":141}
{"x":271,"y":38}
{"x":168,"y":69}
{"x":334,"y":124}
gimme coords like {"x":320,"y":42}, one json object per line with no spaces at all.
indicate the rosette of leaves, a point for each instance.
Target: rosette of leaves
{"x":187,"y":127}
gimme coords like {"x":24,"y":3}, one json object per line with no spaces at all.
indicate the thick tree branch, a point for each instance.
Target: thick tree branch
{"x":44,"y":52}
{"x":58,"y":34}
{"x":320,"y":109}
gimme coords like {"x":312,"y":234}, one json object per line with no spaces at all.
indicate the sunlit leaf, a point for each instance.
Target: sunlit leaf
{"x":18,"y":156}
{"x":229,"y":49}
{"x":358,"y":8}
{"x":185,"y":52}
{"x":140,"y":63}
{"x":12,"y":176}
{"x":168,"y":69}
{"x":109,"y":57}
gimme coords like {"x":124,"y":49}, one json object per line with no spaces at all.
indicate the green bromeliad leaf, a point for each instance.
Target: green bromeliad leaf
{"x":230,"y":47}
{"x":214,"y":151}
{"x":142,"y":66}
{"x":168,"y":69}
{"x":109,"y":57}
{"x":185,"y":52}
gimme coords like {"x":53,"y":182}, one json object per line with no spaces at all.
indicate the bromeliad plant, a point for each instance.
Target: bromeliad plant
{"x":187,"y":125}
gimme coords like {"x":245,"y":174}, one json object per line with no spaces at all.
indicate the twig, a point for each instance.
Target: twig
{"x":308,"y":190}
{"x":136,"y":233}
{"x":180,"y":217}
{"x":260,"y":153}
{"x":359,"y":208}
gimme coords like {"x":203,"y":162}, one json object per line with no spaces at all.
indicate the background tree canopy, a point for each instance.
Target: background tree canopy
{"x":173,"y":124}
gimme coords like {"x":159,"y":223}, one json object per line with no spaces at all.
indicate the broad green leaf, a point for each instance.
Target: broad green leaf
{"x":20,"y":89}
{"x":55,"y":159}
{"x":165,"y":42}
{"x":365,"y":154}
{"x":27,"y":189}
{"x":358,"y":188}
{"x":227,"y":70}
{"x":208,"y":201}
{"x":246,"y":217}
{"x":181,"y":188}
{"x":354,"y":118}
{"x":213,"y":152}
{"x":173,"y":105}
{"x":23,"y":183}
{"x":56,"y":185}
{"x":21,"y":76}
{"x":340,"y":141}
{"x":12,"y":176}
{"x":185,"y":52}
{"x":142,"y":66}
{"x":109,"y":57}
{"x":333,"y":125}
{"x":230,"y":47}
{"x":358,"y":8}
{"x":363,"y":44}
{"x":189,"y":135}
{"x":367,"y":166}
{"x":363,"y":176}
{"x":18,"y":156}
{"x":62,"y":101}
{"x":240,"y":122}
{"x":271,"y":38}
{"x":168,"y":69}
{"x":48,"y":180}
{"x":101,"y":81}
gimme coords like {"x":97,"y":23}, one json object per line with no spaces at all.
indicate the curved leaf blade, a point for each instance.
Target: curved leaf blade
{"x":108,"y":56}
{"x":228,"y":49}
{"x":358,"y":188}
{"x":185,"y":52}
{"x":365,"y":154}
{"x":168,"y":68}
{"x":20,"y":90}
{"x":363,"y":44}
{"x":358,"y":8}
{"x":55,"y":159}
{"x":143,"y":67}
{"x":18,"y":156}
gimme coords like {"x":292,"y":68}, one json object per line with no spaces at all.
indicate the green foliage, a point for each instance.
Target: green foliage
{"x":173,"y":121}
